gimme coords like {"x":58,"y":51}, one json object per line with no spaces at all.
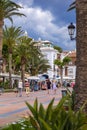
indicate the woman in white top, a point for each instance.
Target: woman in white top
{"x":20,"y":86}
{"x":54,"y":86}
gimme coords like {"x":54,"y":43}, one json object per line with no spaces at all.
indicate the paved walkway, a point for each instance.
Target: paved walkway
{"x":13,"y":108}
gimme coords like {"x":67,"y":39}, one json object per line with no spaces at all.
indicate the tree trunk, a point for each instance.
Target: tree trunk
{"x":1,"y":36}
{"x":4,"y":65}
{"x":10,"y":70}
{"x":23,"y":73}
{"x":61,"y":76}
{"x":81,"y":46}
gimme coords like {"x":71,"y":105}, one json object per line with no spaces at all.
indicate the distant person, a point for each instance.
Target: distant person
{"x":48,"y":85}
{"x":68,"y":84}
{"x":32,"y":84}
{"x":72,"y":84}
{"x":54,"y":86}
{"x":27,"y":87}
{"x":20,"y":87}
{"x":44,"y":85}
{"x":59,"y":84}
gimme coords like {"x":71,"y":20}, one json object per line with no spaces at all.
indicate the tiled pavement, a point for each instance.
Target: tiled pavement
{"x":13,"y":108}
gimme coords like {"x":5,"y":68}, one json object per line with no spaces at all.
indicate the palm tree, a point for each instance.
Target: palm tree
{"x":80,"y":88}
{"x":23,"y":51}
{"x":5,"y":57}
{"x":72,"y":6}
{"x":81,"y":61}
{"x":59,"y":49}
{"x":7,"y":10}
{"x":61,"y":65}
{"x":11,"y":36}
{"x":39,"y":65}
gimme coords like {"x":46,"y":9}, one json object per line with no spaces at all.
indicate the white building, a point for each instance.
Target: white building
{"x":50,"y":54}
{"x":70,"y":69}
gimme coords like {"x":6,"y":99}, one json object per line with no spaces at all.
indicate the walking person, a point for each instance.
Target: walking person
{"x":27,"y":87}
{"x":54,"y":86}
{"x":48,"y":85}
{"x":20,"y":87}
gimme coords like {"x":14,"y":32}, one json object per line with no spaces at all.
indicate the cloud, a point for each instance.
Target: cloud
{"x":41,"y":22}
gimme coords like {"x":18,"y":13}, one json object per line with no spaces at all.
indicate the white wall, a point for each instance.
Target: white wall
{"x":50,"y":54}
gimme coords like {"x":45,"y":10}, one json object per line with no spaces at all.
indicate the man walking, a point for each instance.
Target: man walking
{"x":27,"y":87}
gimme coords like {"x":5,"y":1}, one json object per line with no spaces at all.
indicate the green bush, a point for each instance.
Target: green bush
{"x":52,"y":118}
{"x":21,"y":124}
{"x":4,"y":85}
{"x":8,"y":90}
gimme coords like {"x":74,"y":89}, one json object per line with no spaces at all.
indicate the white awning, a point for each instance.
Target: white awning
{"x":65,"y":78}
{"x":2,"y":75}
{"x":33,"y":78}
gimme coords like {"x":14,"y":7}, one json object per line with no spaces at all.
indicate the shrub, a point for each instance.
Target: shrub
{"x":52,"y":118}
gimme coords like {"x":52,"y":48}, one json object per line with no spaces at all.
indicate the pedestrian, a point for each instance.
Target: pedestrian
{"x":48,"y":85}
{"x":59,"y":84}
{"x":44,"y":85}
{"x":27,"y":87}
{"x":54,"y":86}
{"x":20,"y":87}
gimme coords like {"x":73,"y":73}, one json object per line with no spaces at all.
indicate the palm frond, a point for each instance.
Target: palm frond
{"x":72,"y":6}
{"x":49,"y":109}
{"x":42,"y":111}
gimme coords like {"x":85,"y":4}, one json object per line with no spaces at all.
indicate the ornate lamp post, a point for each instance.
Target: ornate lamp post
{"x":71,"y":30}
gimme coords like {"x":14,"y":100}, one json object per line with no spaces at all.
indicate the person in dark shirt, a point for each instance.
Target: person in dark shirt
{"x":48,"y":85}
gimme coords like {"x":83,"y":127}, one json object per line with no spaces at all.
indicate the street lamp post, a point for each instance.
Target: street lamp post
{"x":71,"y":30}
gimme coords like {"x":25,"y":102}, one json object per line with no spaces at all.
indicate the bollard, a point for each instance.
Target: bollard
{"x":64,"y":93}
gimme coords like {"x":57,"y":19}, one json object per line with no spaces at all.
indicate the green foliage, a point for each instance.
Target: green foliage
{"x":58,"y":48}
{"x":53,"y":117}
{"x":57,"y":118}
{"x":63,"y":62}
{"x":66,"y":60}
{"x":21,"y":124}
{"x":11,"y":36}
{"x":9,"y":9}
{"x":5,"y":51}
{"x":5,"y":84}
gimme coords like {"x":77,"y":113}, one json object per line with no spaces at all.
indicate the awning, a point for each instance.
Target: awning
{"x":6,"y":75}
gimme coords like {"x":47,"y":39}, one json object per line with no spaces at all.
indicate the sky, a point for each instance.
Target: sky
{"x":47,"y":20}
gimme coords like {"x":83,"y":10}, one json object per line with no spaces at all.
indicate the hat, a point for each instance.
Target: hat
{"x":26,"y":79}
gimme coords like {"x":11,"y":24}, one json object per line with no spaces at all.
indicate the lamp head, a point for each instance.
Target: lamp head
{"x":71,"y":30}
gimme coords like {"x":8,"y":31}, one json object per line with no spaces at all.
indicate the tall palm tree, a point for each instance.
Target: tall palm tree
{"x":11,"y":36}
{"x":23,"y":50}
{"x":5,"y":57}
{"x":61,"y":65}
{"x":81,"y":61}
{"x":7,"y":10}
{"x":80,"y":88}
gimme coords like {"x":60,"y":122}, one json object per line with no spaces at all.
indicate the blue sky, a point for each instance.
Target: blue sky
{"x":48,"y":20}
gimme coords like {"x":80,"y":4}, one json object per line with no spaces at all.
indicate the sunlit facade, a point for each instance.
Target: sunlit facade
{"x":50,"y":54}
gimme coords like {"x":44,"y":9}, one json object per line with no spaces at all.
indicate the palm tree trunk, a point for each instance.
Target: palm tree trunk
{"x":23,"y":73}
{"x":4,"y":65}
{"x":61,"y":74}
{"x":1,"y":36}
{"x":81,"y":46}
{"x":10,"y":70}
